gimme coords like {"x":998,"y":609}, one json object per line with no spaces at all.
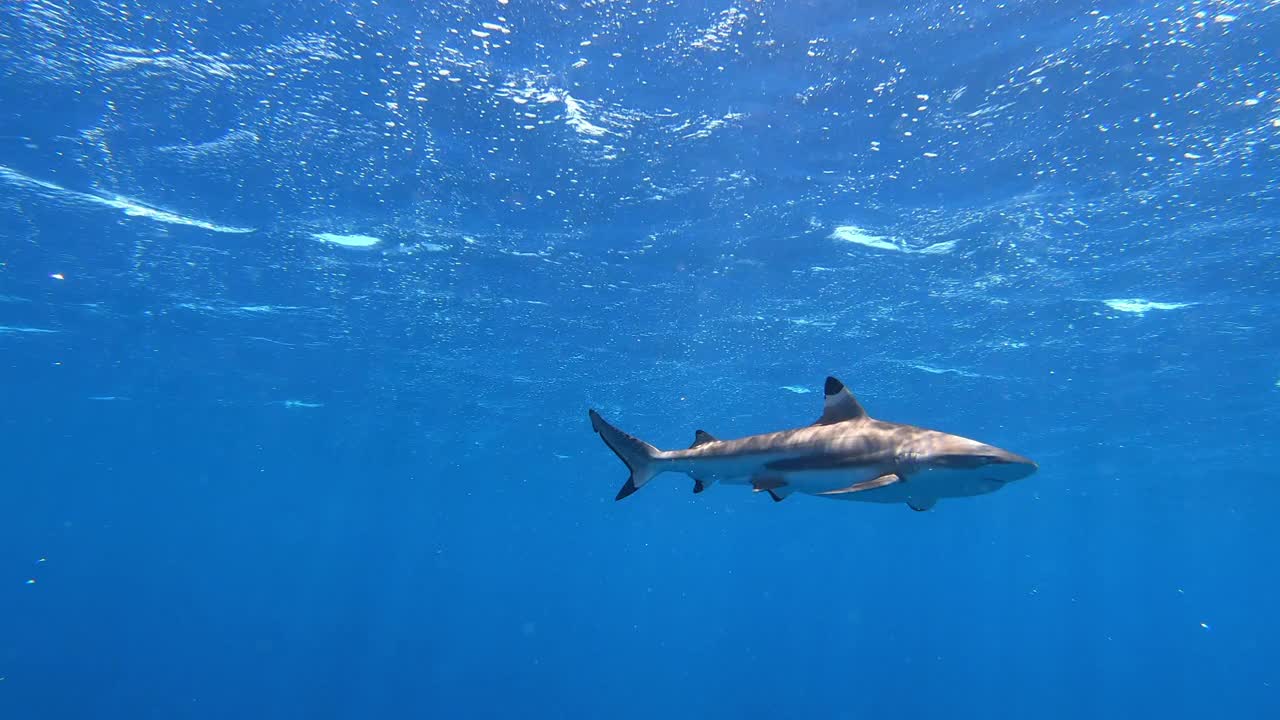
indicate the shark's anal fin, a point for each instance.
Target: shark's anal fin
{"x":883,"y":480}
{"x":702,"y":437}
{"x":922,"y":504}
{"x":840,"y":405}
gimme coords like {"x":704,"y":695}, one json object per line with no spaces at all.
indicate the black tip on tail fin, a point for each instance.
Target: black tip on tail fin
{"x":627,"y":488}
{"x":639,"y":456}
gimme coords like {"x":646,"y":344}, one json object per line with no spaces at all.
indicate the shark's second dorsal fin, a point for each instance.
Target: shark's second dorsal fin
{"x":701,"y":437}
{"x":840,"y":405}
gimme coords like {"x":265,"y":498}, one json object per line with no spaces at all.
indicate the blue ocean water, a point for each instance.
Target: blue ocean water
{"x":302,"y":307}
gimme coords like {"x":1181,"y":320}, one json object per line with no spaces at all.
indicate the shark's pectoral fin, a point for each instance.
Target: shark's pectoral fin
{"x":922,"y":504}
{"x":700,"y":484}
{"x":882,"y":481}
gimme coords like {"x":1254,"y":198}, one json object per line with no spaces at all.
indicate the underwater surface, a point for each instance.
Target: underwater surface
{"x":303,"y":305}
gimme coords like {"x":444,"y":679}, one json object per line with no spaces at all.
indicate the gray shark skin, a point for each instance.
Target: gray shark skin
{"x":845,"y":455}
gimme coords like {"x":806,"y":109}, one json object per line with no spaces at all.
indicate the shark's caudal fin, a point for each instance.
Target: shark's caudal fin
{"x":640,"y":456}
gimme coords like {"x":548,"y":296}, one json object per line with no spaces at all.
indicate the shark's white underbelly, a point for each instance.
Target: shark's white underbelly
{"x":922,"y":487}
{"x":743,"y":471}
{"x":813,"y":482}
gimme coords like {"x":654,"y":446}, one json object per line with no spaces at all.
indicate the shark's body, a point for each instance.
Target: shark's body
{"x":845,"y":455}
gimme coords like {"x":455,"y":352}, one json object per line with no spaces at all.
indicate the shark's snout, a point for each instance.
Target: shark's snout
{"x":989,"y":463}
{"x":1007,"y":467}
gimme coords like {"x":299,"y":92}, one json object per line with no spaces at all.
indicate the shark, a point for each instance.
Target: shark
{"x":845,"y":455}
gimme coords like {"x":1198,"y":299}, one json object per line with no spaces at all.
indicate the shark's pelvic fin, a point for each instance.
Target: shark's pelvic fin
{"x":639,"y":456}
{"x":760,"y":483}
{"x":840,"y":404}
{"x":883,"y":480}
{"x":921,"y":505}
{"x":701,"y":437}
{"x":775,"y":485}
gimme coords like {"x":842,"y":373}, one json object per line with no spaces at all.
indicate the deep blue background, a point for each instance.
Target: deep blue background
{"x":433,"y":533}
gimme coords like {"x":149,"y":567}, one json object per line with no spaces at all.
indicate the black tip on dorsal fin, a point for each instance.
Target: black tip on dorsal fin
{"x":833,"y":386}
{"x":701,"y":437}
{"x":840,"y":404}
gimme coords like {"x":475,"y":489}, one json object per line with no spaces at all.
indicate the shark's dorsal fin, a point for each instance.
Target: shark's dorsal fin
{"x":701,"y":437}
{"x":840,"y":405}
